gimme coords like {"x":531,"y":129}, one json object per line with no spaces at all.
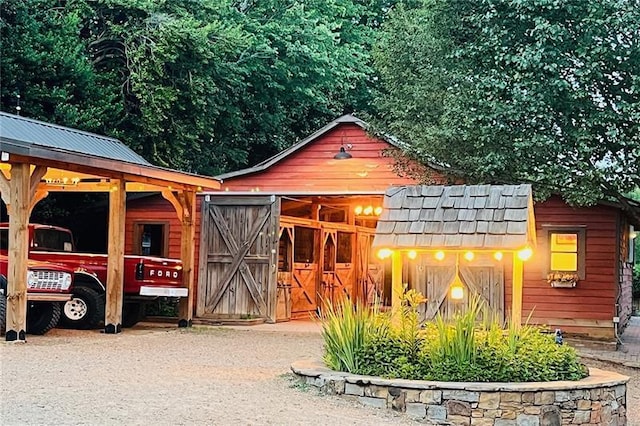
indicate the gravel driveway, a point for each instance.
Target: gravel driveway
{"x":167,"y":376}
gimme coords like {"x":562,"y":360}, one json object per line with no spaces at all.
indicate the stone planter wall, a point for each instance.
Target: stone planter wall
{"x":599,"y":399}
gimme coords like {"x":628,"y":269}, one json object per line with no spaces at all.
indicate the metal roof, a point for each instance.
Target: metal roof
{"x":63,"y":149}
{"x":27,"y":131}
{"x":456,"y":217}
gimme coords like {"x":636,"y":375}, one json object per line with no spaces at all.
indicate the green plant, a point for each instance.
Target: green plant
{"x":345,"y":329}
{"x":473,"y":346}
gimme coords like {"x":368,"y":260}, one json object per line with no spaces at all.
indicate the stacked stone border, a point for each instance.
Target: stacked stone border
{"x":599,"y":399}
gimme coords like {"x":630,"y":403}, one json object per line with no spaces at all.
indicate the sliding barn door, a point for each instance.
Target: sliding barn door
{"x":238,"y":263}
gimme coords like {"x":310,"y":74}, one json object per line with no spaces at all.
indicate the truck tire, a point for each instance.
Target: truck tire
{"x":42,"y":316}
{"x":84,"y":311}
{"x":132,"y":313}
{"x":3,"y":305}
{"x":3,"y":314}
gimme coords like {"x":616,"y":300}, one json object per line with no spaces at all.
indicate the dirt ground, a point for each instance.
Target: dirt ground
{"x":166,"y":376}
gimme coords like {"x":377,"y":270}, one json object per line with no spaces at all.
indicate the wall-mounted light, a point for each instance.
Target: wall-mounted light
{"x":469,"y":256}
{"x":412,"y":254}
{"x":439,"y":255}
{"x":497,"y":256}
{"x":342,"y":154}
{"x":525,"y":254}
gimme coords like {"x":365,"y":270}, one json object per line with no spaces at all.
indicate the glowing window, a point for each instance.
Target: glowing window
{"x":564,"y":251}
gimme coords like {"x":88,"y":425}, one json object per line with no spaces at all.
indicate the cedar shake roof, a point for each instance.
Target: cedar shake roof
{"x":456,"y":217}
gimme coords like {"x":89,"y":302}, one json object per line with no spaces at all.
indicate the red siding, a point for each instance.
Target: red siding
{"x":156,"y":208}
{"x":591,"y":304}
{"x":313,"y":168}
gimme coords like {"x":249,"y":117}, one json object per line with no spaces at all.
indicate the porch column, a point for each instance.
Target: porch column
{"x":516,"y":293}
{"x":115,"y":264}
{"x":396,"y":282}
{"x":187,"y":251}
{"x":18,"y":198}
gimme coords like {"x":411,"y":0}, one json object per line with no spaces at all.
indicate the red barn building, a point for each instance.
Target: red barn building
{"x":301,"y":225}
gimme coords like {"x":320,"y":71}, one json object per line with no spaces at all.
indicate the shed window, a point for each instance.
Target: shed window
{"x":566,"y":250}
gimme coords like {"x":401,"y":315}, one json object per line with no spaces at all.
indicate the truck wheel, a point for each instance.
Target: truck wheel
{"x":132,"y":313}
{"x":42,"y":316}
{"x":85,"y":310}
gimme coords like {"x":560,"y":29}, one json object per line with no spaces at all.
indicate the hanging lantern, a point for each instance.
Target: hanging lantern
{"x":457,"y":288}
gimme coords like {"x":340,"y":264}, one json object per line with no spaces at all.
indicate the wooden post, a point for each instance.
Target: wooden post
{"x":396,"y":283}
{"x":516,"y":294}
{"x":187,"y":255}
{"x":18,"y":253}
{"x":115,"y":264}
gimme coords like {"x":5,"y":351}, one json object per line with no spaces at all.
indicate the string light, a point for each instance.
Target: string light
{"x":412,"y":254}
{"x":497,"y":256}
{"x":439,"y":255}
{"x":384,"y":253}
{"x":469,"y":256}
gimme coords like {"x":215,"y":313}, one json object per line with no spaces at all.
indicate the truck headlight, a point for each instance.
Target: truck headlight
{"x":65,"y":281}
{"x":32,"y":279}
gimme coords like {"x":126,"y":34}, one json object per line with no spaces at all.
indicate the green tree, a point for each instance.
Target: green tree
{"x":198,"y":85}
{"x":44,"y":69}
{"x":541,"y":91}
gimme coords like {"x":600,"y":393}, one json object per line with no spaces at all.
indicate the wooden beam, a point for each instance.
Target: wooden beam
{"x":115,"y":264}
{"x":177,"y":203}
{"x":516,"y":293}
{"x":5,"y":189}
{"x":18,"y":253}
{"x":38,"y":196}
{"x":187,"y":201}
{"x":37,"y":174}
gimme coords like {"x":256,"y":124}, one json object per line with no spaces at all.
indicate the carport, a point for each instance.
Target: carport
{"x":37,"y":158}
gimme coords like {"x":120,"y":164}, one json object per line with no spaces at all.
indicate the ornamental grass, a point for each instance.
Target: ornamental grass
{"x":472,"y":346}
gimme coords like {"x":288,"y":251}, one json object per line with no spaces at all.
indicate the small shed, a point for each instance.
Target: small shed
{"x":455,"y":241}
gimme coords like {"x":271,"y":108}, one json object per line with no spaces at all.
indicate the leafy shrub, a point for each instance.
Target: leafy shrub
{"x":471,"y":347}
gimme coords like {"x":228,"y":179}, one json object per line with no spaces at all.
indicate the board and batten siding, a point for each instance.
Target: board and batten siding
{"x":313,"y":169}
{"x":589,"y":307}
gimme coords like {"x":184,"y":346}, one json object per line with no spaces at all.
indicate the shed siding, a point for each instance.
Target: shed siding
{"x":156,"y":208}
{"x":590,"y":306}
{"x":313,"y":169}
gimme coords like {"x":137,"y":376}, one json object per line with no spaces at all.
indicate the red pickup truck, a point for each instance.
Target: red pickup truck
{"x":146,"y":278}
{"x":48,"y":287}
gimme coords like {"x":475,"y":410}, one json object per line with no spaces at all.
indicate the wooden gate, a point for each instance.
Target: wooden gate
{"x":338,"y":272}
{"x":238,"y":257}
{"x":482,"y":276}
{"x":370,"y":271}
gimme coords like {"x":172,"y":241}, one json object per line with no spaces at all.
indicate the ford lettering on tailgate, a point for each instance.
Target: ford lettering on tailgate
{"x":151,"y":273}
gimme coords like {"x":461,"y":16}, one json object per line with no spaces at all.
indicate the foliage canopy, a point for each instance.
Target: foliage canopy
{"x":540,"y":91}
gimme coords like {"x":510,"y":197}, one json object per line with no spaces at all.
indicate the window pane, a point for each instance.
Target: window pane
{"x":564,"y":261}
{"x":345,"y":241}
{"x":567,"y":243}
{"x":304,"y":242}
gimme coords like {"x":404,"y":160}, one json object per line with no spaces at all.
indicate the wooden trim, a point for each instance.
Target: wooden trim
{"x":272,"y":285}
{"x":137,"y":235}
{"x":38,"y":196}
{"x":297,"y":221}
{"x":581,"y":231}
